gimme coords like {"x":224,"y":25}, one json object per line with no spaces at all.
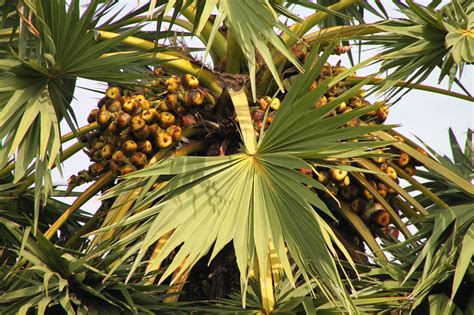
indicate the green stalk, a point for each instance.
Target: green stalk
{"x":234,"y":55}
{"x":312,"y":20}
{"x":179,"y":64}
{"x":420,"y":87}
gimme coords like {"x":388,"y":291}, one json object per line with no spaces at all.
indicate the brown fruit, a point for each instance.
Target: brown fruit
{"x":96,"y":168}
{"x":145,"y":146}
{"x":416,"y":162}
{"x":127,"y":169}
{"x":139,"y":159}
{"x":258,"y":115}
{"x":332,"y":188}
{"x":172,"y":101}
{"x":348,"y":193}
{"x":381,"y":114}
{"x":193,"y":98}
{"x":131,"y":107}
{"x":326,"y":71}
{"x":150,"y":116}
{"x":358,"y":205}
{"x":339,"y":69}
{"x":191,"y":81}
{"x":114,"y":167}
{"x":153,"y":128}
{"x":356,"y":102}
{"x":114,"y":92}
{"x":158,"y":71}
{"x":175,"y":132}
{"x":403,"y":159}
{"x":107,"y":151}
{"x":137,"y":123}
{"x":129,"y":147}
{"x":189,"y":120}
{"x":337,"y":174}
{"x":92,"y":116}
{"x":143,"y":133}
{"x":103,"y":117}
{"x":166,"y":119}
{"x":119,"y":158}
{"x":382,"y":189}
{"x":410,"y":170}
{"x":122,"y":120}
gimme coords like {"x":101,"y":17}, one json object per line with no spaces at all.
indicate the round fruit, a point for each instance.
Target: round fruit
{"x":193,"y":98}
{"x":358,"y":205}
{"x":122,"y":120}
{"x":137,"y":123}
{"x":150,"y":115}
{"x":264,"y":102}
{"x":127,"y":169}
{"x":139,"y":159}
{"x":92,"y":116}
{"x":129,"y":147}
{"x":113,"y":92}
{"x":131,"y":107}
{"x":173,"y":83}
{"x":119,"y":158}
{"x":107,"y":151}
{"x":103,"y":117}
{"x":163,"y":139}
{"x":145,"y":146}
{"x":275,"y":104}
{"x":191,"y":81}
{"x":338,"y":174}
{"x":323,"y":177}
{"x":391,"y":172}
{"x":410,"y":170}
{"x":113,"y":128}
{"x":143,"y":133}
{"x":175,"y":132}
{"x":167,"y":119}
{"x":113,"y":106}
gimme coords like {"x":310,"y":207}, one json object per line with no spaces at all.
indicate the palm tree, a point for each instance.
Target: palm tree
{"x":266,"y":183}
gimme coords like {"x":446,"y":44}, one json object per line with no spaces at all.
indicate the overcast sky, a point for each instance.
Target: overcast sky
{"x":424,"y":114}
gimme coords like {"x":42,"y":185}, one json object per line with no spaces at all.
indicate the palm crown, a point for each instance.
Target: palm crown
{"x":265,"y":183}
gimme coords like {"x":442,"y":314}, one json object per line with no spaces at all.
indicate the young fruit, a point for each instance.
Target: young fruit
{"x":341,"y":107}
{"x":127,"y":169}
{"x":92,"y":116}
{"x":348,"y":193}
{"x":139,"y":159}
{"x":119,"y":158}
{"x":103,"y":117}
{"x":410,"y":170}
{"x":107,"y":151}
{"x":145,"y":147}
{"x":337,"y":174}
{"x":113,"y":92}
{"x":193,"y":98}
{"x":143,"y":133}
{"x":167,"y":119}
{"x":150,"y":116}
{"x":122,"y":120}
{"x":390,"y":171}
{"x":381,"y":114}
{"x":321,"y":102}
{"x":113,"y":106}
{"x":137,"y":123}
{"x":258,"y":115}
{"x":264,"y":102}
{"x":163,"y":139}
{"x":190,"y":81}
{"x":403,"y":159}
{"x":153,"y":128}
{"x":158,"y":71}
{"x":382,"y":189}
{"x":131,"y":107}
{"x":344,"y":182}
{"x":171,"y":100}
{"x":175,"y":132}
{"x":96,"y":168}
{"x":173,"y":83}
{"x":129,"y":147}
{"x":275,"y":103}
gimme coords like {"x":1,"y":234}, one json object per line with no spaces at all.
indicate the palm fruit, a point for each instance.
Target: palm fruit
{"x":137,"y":123}
{"x":358,"y":205}
{"x":344,"y":182}
{"x":129,"y":147}
{"x":381,"y":114}
{"x":323,"y":177}
{"x":190,"y":81}
{"x":366,"y":193}
{"x":163,"y":139}
{"x":382,"y":189}
{"x":142,"y":101}
{"x":114,"y":167}
{"x":173,"y":83}
{"x":258,"y":115}
{"x":145,"y":146}
{"x":338,"y":69}
{"x":167,"y":119}
{"x":376,"y":214}
{"x":119,"y":158}
{"x":410,"y":170}
{"x":150,"y":116}
{"x":306,"y":171}
{"x":107,"y":151}
{"x":127,"y":169}
{"x":114,"y":92}
{"x":92,"y":116}
{"x":122,"y":120}
{"x":113,"y":106}
{"x":143,"y":133}
{"x":337,"y":174}
{"x":420,"y":150}
{"x":348,"y":193}
{"x":404,"y":159}
{"x":104,"y":117}
{"x":131,"y":107}
{"x":163,"y":107}
{"x":326,"y":71}
{"x":321,"y":102}
{"x":275,"y":104}
{"x":264,"y":102}
{"x":390,"y":171}
{"x":390,"y":231}
{"x":193,"y":98}
{"x":172,"y":101}
{"x":188,"y":120}
{"x":96,"y":168}
{"x":175,"y":132}
{"x":356,"y":102}
{"x":139,"y":159}
{"x":341,"y":107}
{"x":313,"y":85}
{"x":158,"y":71}
{"x":153,"y":128}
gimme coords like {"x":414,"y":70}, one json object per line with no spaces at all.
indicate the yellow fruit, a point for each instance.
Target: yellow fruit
{"x":113,"y":106}
{"x":193,"y":98}
{"x":143,"y":133}
{"x":113,"y":92}
{"x":323,"y":177}
{"x":131,"y":107}
{"x":122,"y":120}
{"x":158,"y":71}
{"x":163,"y":139}
{"x":119,"y":158}
{"x":341,"y":107}
{"x":139,"y":159}
{"x":191,"y":81}
{"x":107,"y":151}
{"x":145,"y":146}
{"x":173,"y":83}
{"x":275,"y":104}
{"x":264,"y":102}
{"x":337,"y":174}
{"x":321,"y":102}
{"x":137,"y":123}
{"x":390,"y":171}
{"x":103,"y":117}
{"x":150,"y":116}
{"x":166,"y":119}
{"x":404,"y":159}
{"x":127,"y":169}
{"x":175,"y":132}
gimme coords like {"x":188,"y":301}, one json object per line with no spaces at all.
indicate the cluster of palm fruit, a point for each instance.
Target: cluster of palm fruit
{"x":134,"y":124}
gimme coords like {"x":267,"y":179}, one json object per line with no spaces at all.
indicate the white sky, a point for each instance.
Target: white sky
{"x":424,"y":114}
